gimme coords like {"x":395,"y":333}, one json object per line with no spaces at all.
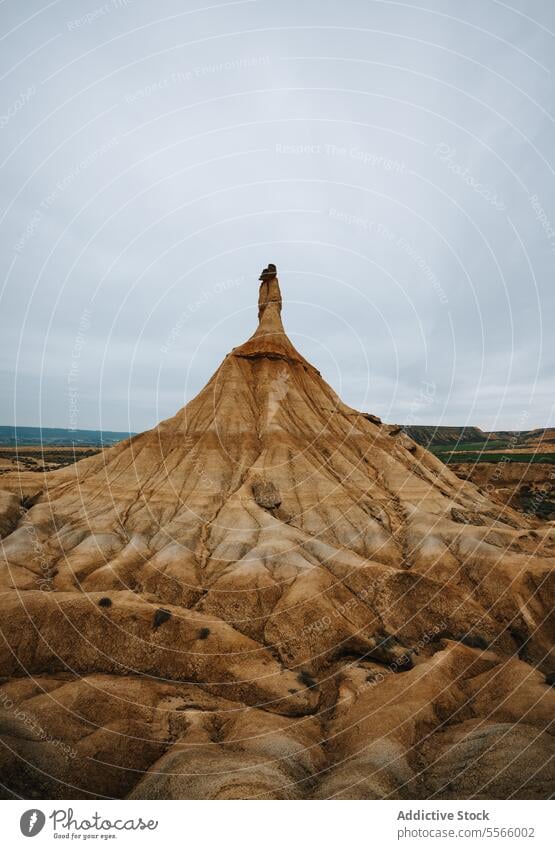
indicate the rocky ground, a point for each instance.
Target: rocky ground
{"x":528,"y":487}
{"x":35,"y":458}
{"x":271,"y":595}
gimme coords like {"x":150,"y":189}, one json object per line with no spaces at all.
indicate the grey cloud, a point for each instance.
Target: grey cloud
{"x":394,"y":161}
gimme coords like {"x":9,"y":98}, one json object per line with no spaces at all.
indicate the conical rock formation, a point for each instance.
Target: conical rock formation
{"x":272,"y":595}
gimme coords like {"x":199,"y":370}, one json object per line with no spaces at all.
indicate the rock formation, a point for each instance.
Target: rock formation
{"x":271,"y":595}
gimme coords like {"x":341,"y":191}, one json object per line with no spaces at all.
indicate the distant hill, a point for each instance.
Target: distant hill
{"x":430,"y":436}
{"x":436,"y":435}
{"x":472,"y":445}
{"x":444,"y":435}
{"x":10,"y":435}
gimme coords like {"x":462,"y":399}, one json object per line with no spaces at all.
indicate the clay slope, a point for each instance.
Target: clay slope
{"x":272,"y":595}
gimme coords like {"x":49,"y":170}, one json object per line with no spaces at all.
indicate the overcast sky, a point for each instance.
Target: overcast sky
{"x":394,"y":159}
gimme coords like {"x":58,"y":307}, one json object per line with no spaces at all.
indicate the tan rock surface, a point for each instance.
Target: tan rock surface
{"x":271,"y":595}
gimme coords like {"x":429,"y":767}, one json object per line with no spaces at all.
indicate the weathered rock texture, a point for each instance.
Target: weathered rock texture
{"x":271,"y":595}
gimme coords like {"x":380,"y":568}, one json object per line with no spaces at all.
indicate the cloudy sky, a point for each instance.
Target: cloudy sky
{"x":394,"y":159}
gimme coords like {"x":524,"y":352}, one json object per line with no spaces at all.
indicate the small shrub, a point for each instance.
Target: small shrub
{"x":473,"y":641}
{"x":387,"y":642}
{"x":402,"y":663}
{"x":306,"y":679}
{"x":203,"y":633}
{"x":105,"y":602}
{"x":550,"y":679}
{"x":522,"y":639}
{"x":162,"y":615}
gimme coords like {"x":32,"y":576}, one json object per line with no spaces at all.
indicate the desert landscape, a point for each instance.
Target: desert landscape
{"x":274,"y":595}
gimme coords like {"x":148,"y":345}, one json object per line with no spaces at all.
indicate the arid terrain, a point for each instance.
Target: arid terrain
{"x":272,"y":595}
{"x":529,"y":488}
{"x":514,"y":468}
{"x":34,"y":458}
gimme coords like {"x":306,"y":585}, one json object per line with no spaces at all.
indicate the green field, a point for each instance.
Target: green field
{"x":467,"y":454}
{"x":473,"y":446}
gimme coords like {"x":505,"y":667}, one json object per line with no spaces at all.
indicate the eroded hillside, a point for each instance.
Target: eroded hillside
{"x":272,"y":595}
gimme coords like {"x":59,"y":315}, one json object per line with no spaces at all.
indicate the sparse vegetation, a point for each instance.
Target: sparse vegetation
{"x":387,"y":642}
{"x":473,"y":641}
{"x":161,"y":615}
{"x":462,"y":456}
{"x":105,"y":602}
{"x":306,"y":679}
